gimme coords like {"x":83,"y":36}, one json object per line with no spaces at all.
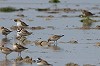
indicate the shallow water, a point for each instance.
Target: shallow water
{"x":84,"y":52}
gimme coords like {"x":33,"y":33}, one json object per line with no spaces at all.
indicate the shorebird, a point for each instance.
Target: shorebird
{"x":55,"y":38}
{"x":5,"y":31}
{"x":42,"y":62}
{"x":4,"y":41}
{"x":87,"y":13}
{"x":28,"y":59}
{"x":18,"y":59}
{"x":42,"y":43}
{"x":21,"y":39}
{"x":6,"y":50}
{"x":23,"y":32}
{"x":18,"y":48}
{"x":20,"y":23}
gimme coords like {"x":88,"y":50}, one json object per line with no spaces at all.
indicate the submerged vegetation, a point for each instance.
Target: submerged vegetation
{"x":7,"y":9}
{"x":43,"y":9}
{"x":87,"y":19}
{"x":87,"y":22}
{"x":71,"y":64}
{"x":10,"y":9}
{"x":54,"y":1}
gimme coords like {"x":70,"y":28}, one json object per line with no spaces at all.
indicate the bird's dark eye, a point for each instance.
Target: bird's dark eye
{"x":15,"y":20}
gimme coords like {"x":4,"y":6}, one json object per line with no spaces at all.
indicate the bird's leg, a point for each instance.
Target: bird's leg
{"x":56,"y":43}
{"x":5,"y":36}
{"x":20,"y":54}
{"x":6,"y":56}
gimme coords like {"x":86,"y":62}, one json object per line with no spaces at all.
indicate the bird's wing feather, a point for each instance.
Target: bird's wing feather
{"x":24,"y":24}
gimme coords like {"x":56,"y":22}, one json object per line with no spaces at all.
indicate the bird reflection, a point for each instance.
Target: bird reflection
{"x":5,"y":63}
{"x":4,"y":41}
{"x":17,"y":63}
{"x":54,"y":47}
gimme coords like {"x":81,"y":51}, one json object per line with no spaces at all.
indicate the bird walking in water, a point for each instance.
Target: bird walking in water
{"x":6,"y":50}
{"x":42,"y":62}
{"x":23,"y":32}
{"x":55,"y":38}
{"x":42,"y":43}
{"x":20,"y":23}
{"x":18,"y":48}
{"x":5,"y":31}
{"x":87,"y":13}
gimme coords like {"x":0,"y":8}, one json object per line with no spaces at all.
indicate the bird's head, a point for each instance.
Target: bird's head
{"x":49,"y":40}
{"x":39,"y":60}
{"x":16,"y":20}
{"x":2,"y":27}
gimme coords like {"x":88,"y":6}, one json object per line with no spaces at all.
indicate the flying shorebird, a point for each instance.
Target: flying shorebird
{"x":42,"y":62}
{"x":6,"y":50}
{"x":87,"y":13}
{"x":20,"y":23}
{"x":5,"y":31}
{"x":18,"y":48}
{"x":55,"y":38}
{"x":23,"y":32}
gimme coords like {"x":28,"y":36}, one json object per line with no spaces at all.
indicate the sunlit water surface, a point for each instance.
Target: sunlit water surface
{"x":85,"y":52}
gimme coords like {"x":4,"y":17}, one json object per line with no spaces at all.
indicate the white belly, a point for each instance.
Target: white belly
{"x":19,"y":24}
{"x":40,"y":64}
{"x":14,"y":47}
{"x":18,"y":33}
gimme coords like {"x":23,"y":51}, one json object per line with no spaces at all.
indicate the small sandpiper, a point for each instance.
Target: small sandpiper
{"x":42,"y":43}
{"x":20,"y":23}
{"x":55,"y":38}
{"x":6,"y":50}
{"x":28,"y":59}
{"x":23,"y":32}
{"x":87,"y":13}
{"x":21,"y":39}
{"x":42,"y":62}
{"x":5,"y":31}
{"x":18,"y":48}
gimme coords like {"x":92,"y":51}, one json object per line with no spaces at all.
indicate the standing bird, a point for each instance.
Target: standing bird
{"x":6,"y":50}
{"x":87,"y":13}
{"x":5,"y":31}
{"x":41,"y":62}
{"x":23,"y":32}
{"x":55,"y":38}
{"x":20,"y":23}
{"x":18,"y":48}
{"x":21,"y":39}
